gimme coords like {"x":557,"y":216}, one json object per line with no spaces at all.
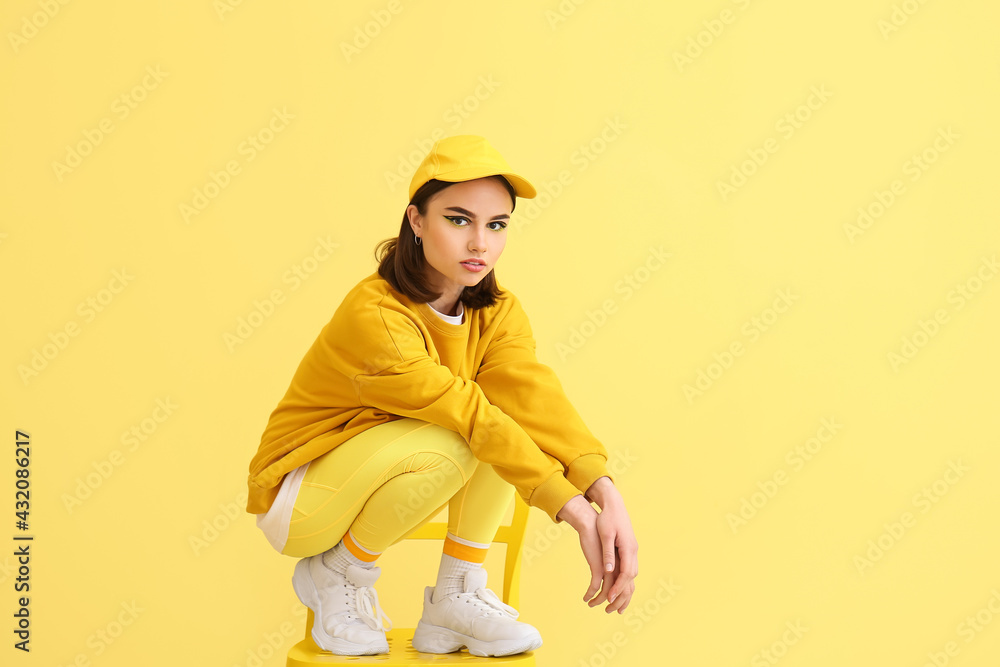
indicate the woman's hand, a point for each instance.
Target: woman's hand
{"x":579,"y":514}
{"x":608,"y":543}
{"x":619,"y":549}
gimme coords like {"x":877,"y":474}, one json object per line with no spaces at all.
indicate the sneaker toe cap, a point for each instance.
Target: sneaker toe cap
{"x":357,"y":634}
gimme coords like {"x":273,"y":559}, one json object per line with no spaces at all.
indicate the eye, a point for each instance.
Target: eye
{"x":455,"y":219}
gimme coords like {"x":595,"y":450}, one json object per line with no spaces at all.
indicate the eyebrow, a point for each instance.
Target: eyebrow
{"x":470,"y":214}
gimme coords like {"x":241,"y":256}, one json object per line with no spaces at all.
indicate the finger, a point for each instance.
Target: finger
{"x":616,"y":594}
{"x":620,"y":599}
{"x":622,"y":602}
{"x":618,"y":582}
{"x":591,"y":553}
{"x":595,"y":584}
{"x":615,"y":591}
{"x":608,"y":548}
{"x":605,"y":589}
{"x":623,"y":584}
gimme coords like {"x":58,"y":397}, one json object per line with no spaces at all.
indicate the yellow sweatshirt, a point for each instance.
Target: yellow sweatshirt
{"x":382,"y":357}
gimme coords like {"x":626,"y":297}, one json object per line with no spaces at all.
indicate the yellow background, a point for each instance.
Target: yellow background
{"x":545,"y":82}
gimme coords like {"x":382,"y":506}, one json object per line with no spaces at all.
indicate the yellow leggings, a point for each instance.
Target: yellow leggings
{"x":389,"y":480}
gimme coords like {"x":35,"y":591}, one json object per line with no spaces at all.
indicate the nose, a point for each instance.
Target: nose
{"x":477,"y":243}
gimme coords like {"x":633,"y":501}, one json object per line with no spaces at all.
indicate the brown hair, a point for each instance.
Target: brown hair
{"x":402,"y":263}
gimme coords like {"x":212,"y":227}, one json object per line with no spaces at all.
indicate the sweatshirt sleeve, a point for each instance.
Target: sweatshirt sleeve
{"x":406,"y":381}
{"x":530,"y":392}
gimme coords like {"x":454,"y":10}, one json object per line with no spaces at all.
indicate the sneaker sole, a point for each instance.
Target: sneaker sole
{"x":429,"y":638}
{"x":306,"y":591}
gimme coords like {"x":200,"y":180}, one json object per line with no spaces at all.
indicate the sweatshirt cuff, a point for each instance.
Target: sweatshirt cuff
{"x":260,"y":499}
{"x":587,"y":469}
{"x":552,"y":495}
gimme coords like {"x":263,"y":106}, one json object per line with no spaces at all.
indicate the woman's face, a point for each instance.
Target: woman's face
{"x":464,"y":221}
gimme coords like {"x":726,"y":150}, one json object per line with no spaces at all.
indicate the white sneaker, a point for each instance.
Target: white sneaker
{"x":348,"y":618}
{"x":475,"y":618}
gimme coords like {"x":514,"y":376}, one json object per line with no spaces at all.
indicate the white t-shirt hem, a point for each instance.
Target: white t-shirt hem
{"x":275,"y":521}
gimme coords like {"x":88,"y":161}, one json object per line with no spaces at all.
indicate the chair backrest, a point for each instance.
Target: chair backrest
{"x":512,"y":536}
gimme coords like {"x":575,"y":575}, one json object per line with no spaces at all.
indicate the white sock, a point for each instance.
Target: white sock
{"x":451,"y":571}
{"x":339,"y":557}
{"x":451,"y":576}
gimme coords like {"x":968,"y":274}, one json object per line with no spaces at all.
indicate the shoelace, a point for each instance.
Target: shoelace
{"x":368,"y":608}
{"x":484,"y":597}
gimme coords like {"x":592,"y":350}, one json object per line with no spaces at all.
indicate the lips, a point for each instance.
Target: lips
{"x":474,"y":265}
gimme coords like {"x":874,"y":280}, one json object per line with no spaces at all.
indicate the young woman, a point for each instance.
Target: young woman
{"x":424,"y":391}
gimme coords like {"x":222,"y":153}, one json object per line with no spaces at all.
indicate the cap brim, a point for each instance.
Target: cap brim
{"x":522,"y":188}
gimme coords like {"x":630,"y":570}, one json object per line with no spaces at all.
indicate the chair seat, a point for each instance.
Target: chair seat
{"x":401,"y":654}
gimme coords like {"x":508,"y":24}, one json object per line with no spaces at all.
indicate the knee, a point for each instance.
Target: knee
{"x":443,"y":449}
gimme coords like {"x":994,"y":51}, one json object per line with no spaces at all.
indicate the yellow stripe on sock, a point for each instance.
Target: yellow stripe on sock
{"x":357,"y":551}
{"x":464,"y":552}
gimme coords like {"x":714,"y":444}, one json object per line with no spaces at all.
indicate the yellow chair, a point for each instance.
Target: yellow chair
{"x":401,"y":651}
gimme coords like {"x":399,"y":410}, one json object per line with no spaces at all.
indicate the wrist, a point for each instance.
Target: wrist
{"x":575,"y":512}
{"x":602,"y":491}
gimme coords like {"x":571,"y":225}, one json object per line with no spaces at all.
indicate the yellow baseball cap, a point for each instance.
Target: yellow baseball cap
{"x":465,"y":157}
